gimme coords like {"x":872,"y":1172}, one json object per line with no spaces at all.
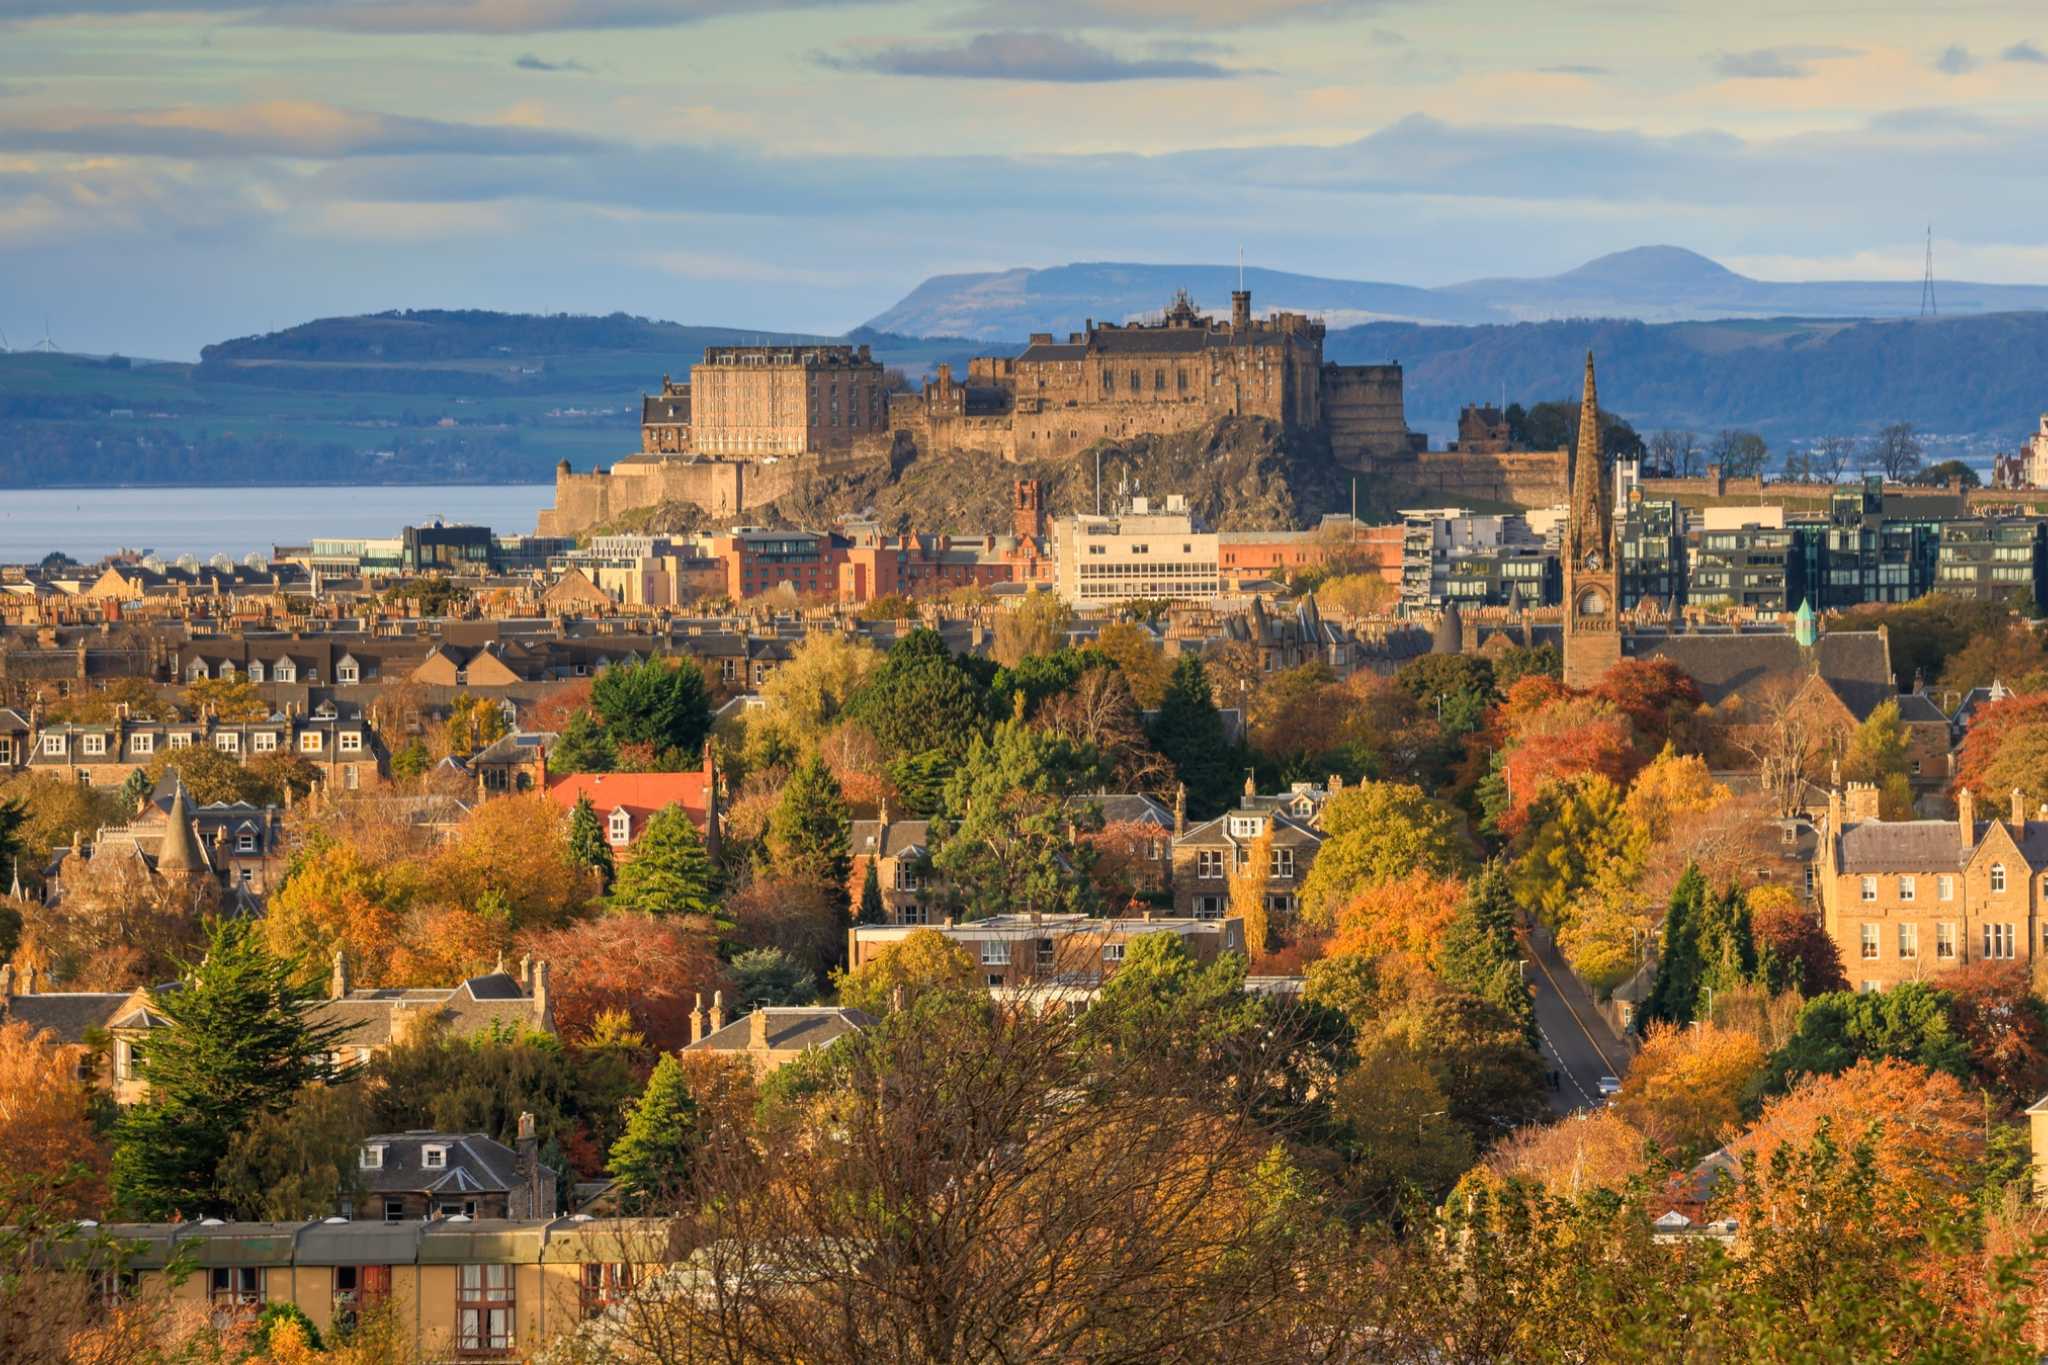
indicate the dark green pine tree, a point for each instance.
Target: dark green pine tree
{"x":670,"y":873}
{"x":810,"y":829}
{"x":1188,"y":730}
{"x":583,"y":746}
{"x":1681,"y":968}
{"x":1480,"y":951}
{"x":13,"y":815}
{"x":587,"y":844}
{"x":1727,"y":948}
{"x":871,"y":910}
{"x":662,"y":702}
{"x":241,"y":1041}
{"x":136,"y":787}
{"x":651,"y":1160}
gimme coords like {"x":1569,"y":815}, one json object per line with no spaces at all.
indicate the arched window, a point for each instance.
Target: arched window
{"x":1997,"y":877}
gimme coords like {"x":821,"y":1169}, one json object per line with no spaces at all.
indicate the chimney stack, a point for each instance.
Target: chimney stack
{"x":757,"y":1030}
{"x":697,"y":1017}
{"x":2019,"y":814}
{"x":337,"y":986}
{"x":28,"y":979}
{"x":1966,"y":817}
{"x":543,"y":1005}
{"x":1180,"y":809}
{"x":6,"y":985}
{"x":717,"y":1010}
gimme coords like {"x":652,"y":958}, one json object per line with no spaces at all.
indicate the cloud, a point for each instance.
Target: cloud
{"x":1776,"y":63}
{"x":1022,"y":57}
{"x":1956,"y":60}
{"x":429,"y":16}
{"x":1386,"y":37}
{"x":1170,"y":14}
{"x":1573,"y":70}
{"x":528,"y":62}
{"x":288,"y":128}
{"x":2025,"y":52}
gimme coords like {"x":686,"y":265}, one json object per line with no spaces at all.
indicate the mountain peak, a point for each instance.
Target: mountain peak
{"x":1654,"y":266}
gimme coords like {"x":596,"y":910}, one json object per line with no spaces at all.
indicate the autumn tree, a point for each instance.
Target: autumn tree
{"x":1656,"y":695}
{"x":1793,"y":947}
{"x":2006,"y":749}
{"x":473,"y":723}
{"x":1248,"y":895}
{"x":1037,"y":624}
{"x":1412,"y":914}
{"x":241,"y":1039}
{"x":2005,"y":1026}
{"x":809,"y":691}
{"x":669,"y":872}
{"x":655,"y":970}
{"x":1670,"y":792}
{"x":1685,"y":1088}
{"x":512,"y":854}
{"x":339,"y":895}
{"x":1138,"y":657}
{"x":1877,"y":750}
{"x":1567,"y":738}
{"x":1580,"y":835}
{"x":1376,"y":832}
{"x":228,"y":699}
{"x":1592,"y":1150}
{"x":213,"y":777}
{"x":922,"y":960}
{"x":46,"y":1125}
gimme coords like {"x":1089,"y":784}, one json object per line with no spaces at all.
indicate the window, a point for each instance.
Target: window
{"x":995,"y":952}
{"x":1945,"y":887}
{"x":245,"y":841}
{"x":906,"y":876}
{"x":483,"y":1309}
{"x":309,"y":742}
{"x":53,"y":745}
{"x":434,"y":1158}
{"x":1112,"y":952}
{"x":453,"y":1208}
{"x":349,"y":741}
{"x":181,"y":740}
{"x":125,"y":1057}
{"x":1909,"y":941}
{"x":357,"y":1287}
{"x":1245,"y":827}
{"x":1045,"y":953}
{"x":373,"y":1157}
{"x":1998,"y":940}
{"x":235,"y":1289}
{"x":620,"y":827}
{"x":256,"y":670}
{"x":1945,"y":941}
{"x":93,"y":744}
{"x":1870,"y":945}
{"x":285,"y":672}
{"x":1208,"y":907}
{"x":1870,"y":888}
{"x":228,"y":742}
{"x":348,"y":777}
{"x":1997,"y":878}
{"x":605,"y":1285}
{"x":1283,"y":862}
{"x":263,"y":741}
{"x":394,"y":1210}
{"x":347,"y":674}
{"x":1209,"y":863}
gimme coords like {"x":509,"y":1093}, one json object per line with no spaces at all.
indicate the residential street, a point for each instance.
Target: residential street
{"x":1576,"y":1037}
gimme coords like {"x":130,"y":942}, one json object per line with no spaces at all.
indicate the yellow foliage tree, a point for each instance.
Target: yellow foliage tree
{"x":1143,"y":663}
{"x":1684,"y":1089}
{"x":1671,"y":788}
{"x":339,"y":898}
{"x":46,"y":1126}
{"x":1408,"y":915}
{"x":1248,"y":895}
{"x":227,"y":698}
{"x":921,"y":960}
{"x":1597,"y":1149}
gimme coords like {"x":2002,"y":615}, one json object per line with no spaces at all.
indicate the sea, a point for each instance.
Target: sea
{"x":87,"y":523}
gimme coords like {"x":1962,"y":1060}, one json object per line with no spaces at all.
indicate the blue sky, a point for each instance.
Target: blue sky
{"x":177,"y":171}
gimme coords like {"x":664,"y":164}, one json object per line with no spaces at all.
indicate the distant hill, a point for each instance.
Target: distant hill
{"x":1980,"y":380}
{"x":1649,"y":283}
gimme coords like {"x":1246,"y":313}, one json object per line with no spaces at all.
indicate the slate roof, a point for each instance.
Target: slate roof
{"x":1857,"y":664}
{"x":475,"y":1006}
{"x":476,"y":1165}
{"x":1917,"y":708}
{"x":1928,"y":845}
{"x":1288,"y":832}
{"x":69,"y":1015}
{"x":898,"y":839}
{"x":789,"y":1028}
{"x":1124,"y":807}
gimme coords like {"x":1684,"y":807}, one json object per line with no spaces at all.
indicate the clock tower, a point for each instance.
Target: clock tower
{"x":1592,"y":596}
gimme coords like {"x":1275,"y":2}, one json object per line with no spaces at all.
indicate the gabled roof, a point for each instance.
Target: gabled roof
{"x":1124,"y":808}
{"x":900,"y":838}
{"x":788,"y":1028}
{"x":641,"y":794}
{"x":477,"y":1164}
{"x":1855,"y":663}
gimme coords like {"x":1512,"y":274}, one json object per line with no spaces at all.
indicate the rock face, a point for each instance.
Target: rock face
{"x":1237,"y":474}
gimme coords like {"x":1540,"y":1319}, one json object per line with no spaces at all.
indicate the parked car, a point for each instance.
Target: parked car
{"x":1610,"y":1086}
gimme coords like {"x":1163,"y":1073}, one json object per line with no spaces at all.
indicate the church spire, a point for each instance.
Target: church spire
{"x":1589,"y":489}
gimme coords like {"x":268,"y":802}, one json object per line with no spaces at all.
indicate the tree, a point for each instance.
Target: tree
{"x":240,"y":1041}
{"x":1670,"y":792}
{"x":669,"y":872}
{"x":1188,"y":730}
{"x":1009,"y":840}
{"x":1398,"y":1136}
{"x":922,"y":960}
{"x":1593,"y":1149}
{"x":651,"y":1160}
{"x":582,"y":746}
{"x":662,"y":703}
{"x":807,"y":692}
{"x":1410,"y":914}
{"x":1829,"y":458}
{"x":871,"y":910}
{"x":1480,"y":953}
{"x":411,"y":759}
{"x":1138,"y":657}
{"x":1677,"y":453}
{"x":588,"y":846}
{"x":2005,"y":1025}
{"x":513,"y":854}
{"x":1793,"y":948}
{"x":1477,"y":1052}
{"x":135,"y":789}
{"x":921,"y":700}
{"x":1564,"y":739}
{"x":655,"y":970}
{"x":1580,"y":836}
{"x":229,"y":699}
{"x":1375,"y":832}
{"x":1741,"y":454}
{"x":1910,"y":1022}
{"x":1037,"y":624}
{"x":337,"y":894}
{"x":1248,"y":896}
{"x":46,"y":1125}
{"x":770,"y":976}
{"x":2006,"y":749}
{"x":212,"y":777}
{"x":808,"y":833}
{"x":1938,"y":475}
{"x":1878,"y":748}
{"x":1458,"y":686}
{"x":1656,"y":695}
{"x":1896,"y":450}
{"x":299,"y":1162}
{"x":473,"y":723}
{"x":1685,"y":1088}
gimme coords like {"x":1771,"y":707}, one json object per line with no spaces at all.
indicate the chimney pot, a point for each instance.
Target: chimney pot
{"x":697,"y":1017}
{"x":717,"y":1010}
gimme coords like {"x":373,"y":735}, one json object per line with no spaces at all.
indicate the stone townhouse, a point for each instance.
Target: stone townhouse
{"x":772,"y":1036}
{"x":1907,"y":900}
{"x":1053,"y":959}
{"x":340,"y":745}
{"x":1207,"y":855}
{"x":422,"y":1174}
{"x":900,"y":852}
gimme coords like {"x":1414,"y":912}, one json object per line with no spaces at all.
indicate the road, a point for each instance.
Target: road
{"x":1576,"y":1038}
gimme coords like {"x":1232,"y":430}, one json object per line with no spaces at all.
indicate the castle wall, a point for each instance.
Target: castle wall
{"x":1527,"y":479}
{"x":1367,"y":416}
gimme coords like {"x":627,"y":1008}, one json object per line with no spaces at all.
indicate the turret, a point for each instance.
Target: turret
{"x":1240,"y":310}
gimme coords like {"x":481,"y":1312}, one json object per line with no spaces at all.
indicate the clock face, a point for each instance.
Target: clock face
{"x":1593,"y":560}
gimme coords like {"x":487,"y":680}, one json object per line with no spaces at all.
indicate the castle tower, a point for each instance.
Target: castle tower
{"x":1240,"y":310}
{"x":1027,"y":512}
{"x":1592,"y":634}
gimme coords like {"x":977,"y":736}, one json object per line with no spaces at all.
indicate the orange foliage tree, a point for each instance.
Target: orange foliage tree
{"x":1792,"y":934}
{"x":654,"y":969}
{"x":1408,"y":914}
{"x":2005,"y":1024}
{"x":1656,"y":695}
{"x":1565,"y":738}
{"x":1925,"y":1130}
{"x":46,"y":1127}
{"x":1597,"y":1149}
{"x":1684,"y":1089}
{"x":2006,"y":746}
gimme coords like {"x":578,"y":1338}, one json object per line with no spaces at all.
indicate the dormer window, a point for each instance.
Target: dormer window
{"x":93,"y":744}
{"x":228,"y":742}
{"x":346,"y":672}
{"x":1246,"y":826}
{"x":349,"y":741}
{"x":245,"y":842}
{"x":141,"y":744}
{"x":309,"y":742}
{"x":256,"y":670}
{"x":372,"y":1156}
{"x":264,"y":741}
{"x":434,"y":1157}
{"x":181,"y":740}
{"x":227,"y":669}
{"x":286,"y":671}
{"x":197,"y":671}
{"x":621,"y":825}
{"x":53,"y":745}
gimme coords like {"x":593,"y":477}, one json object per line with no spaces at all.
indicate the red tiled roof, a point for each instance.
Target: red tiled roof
{"x":642,"y":794}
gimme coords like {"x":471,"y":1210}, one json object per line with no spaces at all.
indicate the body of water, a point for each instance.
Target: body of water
{"x":89,"y":522}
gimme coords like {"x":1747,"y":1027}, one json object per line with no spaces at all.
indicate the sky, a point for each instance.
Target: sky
{"x":175,"y":172}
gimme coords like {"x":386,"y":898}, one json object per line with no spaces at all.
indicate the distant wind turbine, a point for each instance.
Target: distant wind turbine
{"x":46,"y":344}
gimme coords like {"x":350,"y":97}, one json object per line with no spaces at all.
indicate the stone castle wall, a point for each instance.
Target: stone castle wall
{"x":725,"y":489}
{"x":1365,"y":412}
{"x":1527,"y":479}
